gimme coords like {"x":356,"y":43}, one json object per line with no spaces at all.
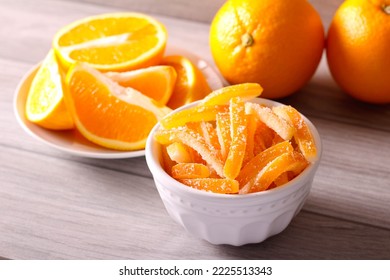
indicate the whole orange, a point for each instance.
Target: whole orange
{"x":275,"y":43}
{"x":358,"y":49}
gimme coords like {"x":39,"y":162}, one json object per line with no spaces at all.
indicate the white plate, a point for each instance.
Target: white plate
{"x":72,"y":141}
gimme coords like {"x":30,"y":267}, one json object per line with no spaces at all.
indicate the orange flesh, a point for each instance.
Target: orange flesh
{"x":96,"y":108}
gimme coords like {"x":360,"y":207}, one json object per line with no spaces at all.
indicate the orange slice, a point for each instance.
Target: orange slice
{"x":190,"y":171}
{"x":193,"y":114}
{"x":290,"y":161}
{"x":254,"y":166}
{"x":238,"y":132}
{"x":223,"y":95}
{"x":265,"y":114}
{"x":156,"y":82}
{"x":191,"y":85}
{"x":112,"y":42}
{"x":303,"y":136}
{"x":108,"y":114}
{"x":45,"y":103}
{"x":215,"y":185}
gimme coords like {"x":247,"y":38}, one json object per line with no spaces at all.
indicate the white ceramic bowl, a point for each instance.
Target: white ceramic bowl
{"x":231,"y":219}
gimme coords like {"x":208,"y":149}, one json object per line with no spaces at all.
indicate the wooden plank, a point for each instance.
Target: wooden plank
{"x":85,"y":212}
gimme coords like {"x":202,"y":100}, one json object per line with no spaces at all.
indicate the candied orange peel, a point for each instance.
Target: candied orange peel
{"x":229,"y":144}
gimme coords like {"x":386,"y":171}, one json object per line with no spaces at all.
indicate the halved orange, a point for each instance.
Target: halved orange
{"x":45,"y":104}
{"x":191,"y":84}
{"x":112,"y":42}
{"x":157,"y":82}
{"x":108,"y":114}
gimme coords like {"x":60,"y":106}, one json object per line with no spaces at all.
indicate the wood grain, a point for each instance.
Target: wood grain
{"x":58,"y":206}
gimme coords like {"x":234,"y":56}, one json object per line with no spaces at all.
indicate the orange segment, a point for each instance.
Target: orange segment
{"x":303,"y":136}
{"x":265,"y":114}
{"x":191,"y":85}
{"x":290,"y":161}
{"x":193,"y":114}
{"x":254,"y":166}
{"x":215,"y":185}
{"x":156,"y":82}
{"x":238,"y":131}
{"x":112,"y":42}
{"x":190,"y":171}
{"x":108,"y":114}
{"x":222,"y":96}
{"x":45,"y":104}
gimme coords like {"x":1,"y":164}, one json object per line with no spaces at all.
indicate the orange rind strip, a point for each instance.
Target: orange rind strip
{"x":238,"y":132}
{"x":254,"y":166}
{"x":195,"y":141}
{"x":273,"y":121}
{"x":193,"y":114}
{"x":303,"y":136}
{"x":290,"y":161}
{"x":223,"y":186}
{"x":222,"y":96}
{"x":190,"y":171}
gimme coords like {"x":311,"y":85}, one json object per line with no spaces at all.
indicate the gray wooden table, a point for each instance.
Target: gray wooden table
{"x":57,"y":206}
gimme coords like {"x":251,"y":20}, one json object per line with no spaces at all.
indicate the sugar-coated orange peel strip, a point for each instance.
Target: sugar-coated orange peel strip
{"x":215,"y":185}
{"x":303,"y":136}
{"x":190,"y":171}
{"x":238,"y":133}
{"x":235,"y":146}
{"x":290,"y":161}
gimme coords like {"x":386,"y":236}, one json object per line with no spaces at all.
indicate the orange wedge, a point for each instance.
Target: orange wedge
{"x":108,"y":114}
{"x":112,"y":42}
{"x":238,"y":132}
{"x":290,"y":161}
{"x":223,"y":95}
{"x":215,"y":185}
{"x":303,"y":136}
{"x":45,"y":104}
{"x":190,"y":171}
{"x":191,"y":85}
{"x":156,"y":82}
